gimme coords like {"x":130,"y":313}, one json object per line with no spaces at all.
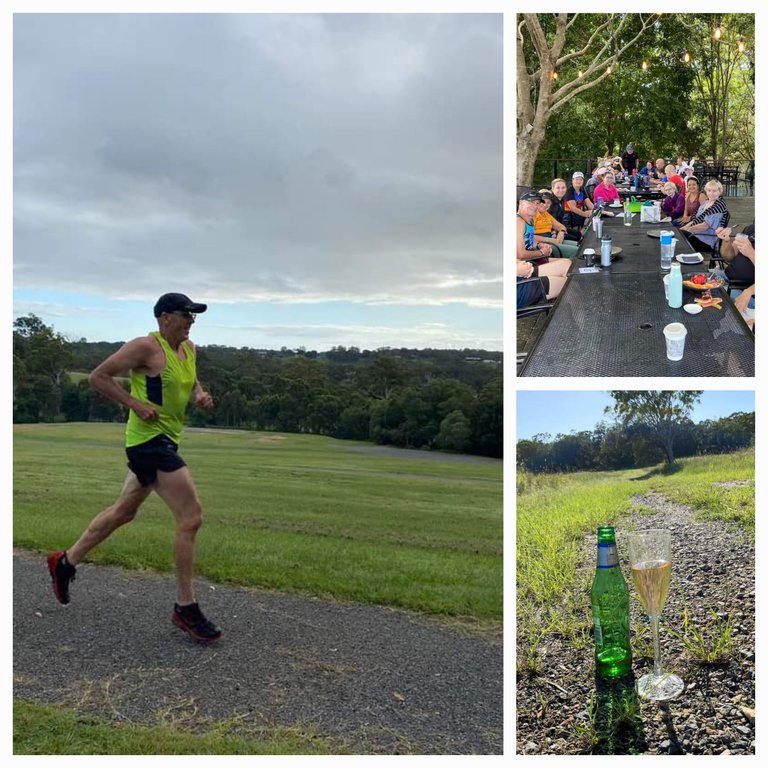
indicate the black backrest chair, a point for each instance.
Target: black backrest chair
{"x":538,"y":308}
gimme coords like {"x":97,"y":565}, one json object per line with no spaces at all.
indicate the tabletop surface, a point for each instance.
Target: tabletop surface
{"x":611,"y":324}
{"x":640,"y":251}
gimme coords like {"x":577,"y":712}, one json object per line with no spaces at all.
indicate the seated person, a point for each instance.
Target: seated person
{"x":693,"y":200}
{"x":700,"y":230}
{"x":673,"y":204}
{"x":605,"y":191}
{"x":578,"y":207}
{"x":739,"y":257}
{"x":558,"y":209}
{"x":670,"y":175}
{"x":593,"y":181}
{"x":646,"y":169}
{"x":682,"y":166}
{"x":547,"y":229}
{"x":535,"y":292}
{"x":657,"y":172}
{"x":527,"y":248}
{"x":745,"y":303}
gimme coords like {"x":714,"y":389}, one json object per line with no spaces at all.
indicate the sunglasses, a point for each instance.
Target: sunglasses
{"x":181,"y":313}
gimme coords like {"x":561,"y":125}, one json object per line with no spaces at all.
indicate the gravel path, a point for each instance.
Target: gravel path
{"x":714,"y":569}
{"x":379,"y":680}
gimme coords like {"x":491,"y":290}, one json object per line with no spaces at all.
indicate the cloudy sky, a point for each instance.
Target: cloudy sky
{"x":317,"y":179}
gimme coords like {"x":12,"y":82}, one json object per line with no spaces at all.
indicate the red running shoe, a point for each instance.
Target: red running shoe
{"x":191,"y":620}
{"x":62,"y":572}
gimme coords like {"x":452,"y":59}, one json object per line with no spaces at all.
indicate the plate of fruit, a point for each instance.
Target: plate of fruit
{"x":702,"y":282}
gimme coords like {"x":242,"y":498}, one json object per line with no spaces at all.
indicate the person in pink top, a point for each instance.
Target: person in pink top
{"x":606,"y":191}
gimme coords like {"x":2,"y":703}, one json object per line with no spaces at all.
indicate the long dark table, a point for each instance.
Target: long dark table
{"x":640,"y":194}
{"x":640,"y":251}
{"x":611,"y":323}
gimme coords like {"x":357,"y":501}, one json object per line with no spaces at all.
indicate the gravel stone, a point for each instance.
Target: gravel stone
{"x":380,"y":680}
{"x":713,"y":569}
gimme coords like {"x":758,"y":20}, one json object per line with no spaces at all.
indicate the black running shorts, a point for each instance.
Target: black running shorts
{"x":159,"y":453}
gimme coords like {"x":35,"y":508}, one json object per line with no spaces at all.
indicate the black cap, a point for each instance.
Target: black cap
{"x":537,"y":196}
{"x":177,"y":302}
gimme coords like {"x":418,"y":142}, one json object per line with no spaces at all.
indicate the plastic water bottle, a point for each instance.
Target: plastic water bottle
{"x":675,"y":287}
{"x":605,"y":252}
{"x":666,"y":250}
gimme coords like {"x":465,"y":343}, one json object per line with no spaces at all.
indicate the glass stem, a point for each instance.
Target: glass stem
{"x":656,"y":646}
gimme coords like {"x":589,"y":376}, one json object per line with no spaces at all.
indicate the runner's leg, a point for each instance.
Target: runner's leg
{"x":177,"y":490}
{"x":111,"y":518}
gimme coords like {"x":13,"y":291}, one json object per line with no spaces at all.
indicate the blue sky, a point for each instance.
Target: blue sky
{"x":317,"y":179}
{"x":562,"y":412}
{"x":272,"y":324}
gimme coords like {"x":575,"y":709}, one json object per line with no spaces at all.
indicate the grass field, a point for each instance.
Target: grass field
{"x":555,"y":511}
{"x":291,"y":512}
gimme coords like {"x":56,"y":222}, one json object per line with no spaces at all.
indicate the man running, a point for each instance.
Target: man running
{"x":163,"y":381}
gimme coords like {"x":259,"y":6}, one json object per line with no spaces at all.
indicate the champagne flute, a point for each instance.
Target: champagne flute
{"x":651,"y":560}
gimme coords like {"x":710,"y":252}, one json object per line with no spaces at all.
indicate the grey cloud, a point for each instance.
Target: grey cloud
{"x":352,"y":155}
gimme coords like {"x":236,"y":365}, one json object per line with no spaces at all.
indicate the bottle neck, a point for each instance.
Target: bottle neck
{"x":607,"y":556}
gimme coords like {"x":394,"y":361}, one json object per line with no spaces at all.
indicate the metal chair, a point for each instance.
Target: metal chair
{"x":541,"y":307}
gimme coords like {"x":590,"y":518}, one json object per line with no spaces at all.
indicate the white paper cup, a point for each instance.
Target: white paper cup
{"x":674,"y":334}
{"x":666,"y":287}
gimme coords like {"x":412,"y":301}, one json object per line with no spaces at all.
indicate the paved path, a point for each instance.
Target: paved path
{"x":384,"y":680}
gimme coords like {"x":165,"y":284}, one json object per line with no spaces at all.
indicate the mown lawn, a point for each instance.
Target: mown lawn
{"x":293,"y":512}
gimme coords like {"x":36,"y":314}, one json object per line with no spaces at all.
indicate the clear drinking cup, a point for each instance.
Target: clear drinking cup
{"x":666,"y":287}
{"x":674,"y":334}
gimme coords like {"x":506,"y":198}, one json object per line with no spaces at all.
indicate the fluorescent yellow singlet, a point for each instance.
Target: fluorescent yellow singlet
{"x":168,"y":393}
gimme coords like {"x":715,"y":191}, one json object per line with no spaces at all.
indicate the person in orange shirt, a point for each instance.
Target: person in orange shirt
{"x":547,"y":229}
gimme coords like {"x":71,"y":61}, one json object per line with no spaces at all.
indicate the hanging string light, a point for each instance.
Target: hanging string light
{"x":645,"y":65}
{"x":718,"y":33}
{"x":687,"y":58}
{"x":741,"y":46}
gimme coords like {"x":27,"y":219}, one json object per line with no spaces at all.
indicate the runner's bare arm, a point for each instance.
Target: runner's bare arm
{"x":201,"y":398}
{"x":134,"y":355}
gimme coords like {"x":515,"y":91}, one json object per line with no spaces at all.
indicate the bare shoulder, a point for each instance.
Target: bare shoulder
{"x":137,"y":354}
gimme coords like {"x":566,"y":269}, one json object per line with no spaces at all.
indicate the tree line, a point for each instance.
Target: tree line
{"x":443,"y":399}
{"x":620,"y":446}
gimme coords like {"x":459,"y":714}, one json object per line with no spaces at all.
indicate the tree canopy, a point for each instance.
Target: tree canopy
{"x":431,"y":398}
{"x":588,"y":84}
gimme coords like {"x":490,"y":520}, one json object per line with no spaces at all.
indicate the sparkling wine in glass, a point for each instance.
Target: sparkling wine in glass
{"x":650,"y":555}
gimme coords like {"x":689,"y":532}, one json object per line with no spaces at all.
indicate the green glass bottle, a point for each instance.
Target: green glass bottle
{"x":610,"y":610}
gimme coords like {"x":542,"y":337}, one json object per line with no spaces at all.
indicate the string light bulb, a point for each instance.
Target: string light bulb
{"x":687,"y":57}
{"x":741,"y":46}
{"x":609,"y":69}
{"x":718,"y":33}
{"x":581,"y":73}
{"x":555,"y":75}
{"x":645,"y":65}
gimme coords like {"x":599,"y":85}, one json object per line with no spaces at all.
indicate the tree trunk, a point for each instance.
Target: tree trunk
{"x":670,"y":455}
{"x":528,"y":145}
